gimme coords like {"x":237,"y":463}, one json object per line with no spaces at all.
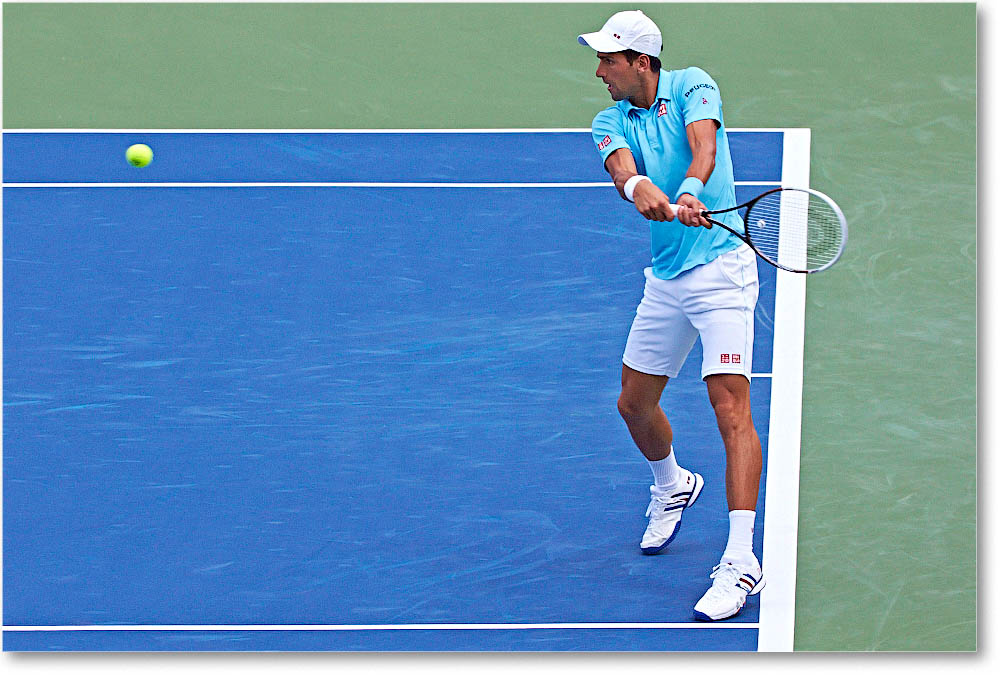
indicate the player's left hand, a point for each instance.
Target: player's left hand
{"x":688,"y":211}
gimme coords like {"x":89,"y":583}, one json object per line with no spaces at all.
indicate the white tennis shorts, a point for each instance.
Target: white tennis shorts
{"x":715,"y":300}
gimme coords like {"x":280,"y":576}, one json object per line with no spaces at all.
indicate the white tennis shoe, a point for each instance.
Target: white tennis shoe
{"x":730,"y":588}
{"x":665,"y":509}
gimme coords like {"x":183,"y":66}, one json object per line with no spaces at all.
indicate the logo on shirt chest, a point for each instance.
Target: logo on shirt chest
{"x":662,"y":110}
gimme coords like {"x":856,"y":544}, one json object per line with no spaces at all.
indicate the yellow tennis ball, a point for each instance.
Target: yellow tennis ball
{"x":139,"y":155}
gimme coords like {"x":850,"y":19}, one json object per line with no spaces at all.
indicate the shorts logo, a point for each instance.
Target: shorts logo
{"x":725,"y":358}
{"x":604,"y":143}
{"x":662,"y":111}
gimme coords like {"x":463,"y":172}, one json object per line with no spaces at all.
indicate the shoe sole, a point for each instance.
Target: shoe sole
{"x":701,"y":616}
{"x":699,"y":483}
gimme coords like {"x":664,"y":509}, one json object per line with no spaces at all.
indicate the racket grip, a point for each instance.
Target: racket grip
{"x":673,"y":207}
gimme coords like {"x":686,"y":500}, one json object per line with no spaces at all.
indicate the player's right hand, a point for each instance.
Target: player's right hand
{"x":651,"y":202}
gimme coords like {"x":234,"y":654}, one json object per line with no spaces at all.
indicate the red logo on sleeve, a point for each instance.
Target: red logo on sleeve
{"x":604,"y":143}
{"x":736,"y":358}
{"x":724,"y":358}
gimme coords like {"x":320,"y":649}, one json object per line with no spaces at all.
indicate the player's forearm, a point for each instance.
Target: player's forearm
{"x":620,"y":178}
{"x":621,"y":165}
{"x":702,"y":166}
{"x":701,"y":140}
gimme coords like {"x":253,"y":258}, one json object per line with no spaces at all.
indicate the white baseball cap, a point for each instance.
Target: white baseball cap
{"x":626,"y":30}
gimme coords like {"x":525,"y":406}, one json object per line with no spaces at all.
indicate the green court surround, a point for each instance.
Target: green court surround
{"x":887,"y":554}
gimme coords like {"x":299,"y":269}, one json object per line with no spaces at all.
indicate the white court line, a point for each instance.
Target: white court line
{"x":342,"y":131}
{"x":312,"y":185}
{"x":298,"y":131}
{"x":359,"y":627}
{"x":781,"y":512}
{"x":335,"y":185}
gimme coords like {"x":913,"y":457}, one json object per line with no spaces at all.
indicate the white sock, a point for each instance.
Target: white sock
{"x":665,"y":471}
{"x":739,"y":549}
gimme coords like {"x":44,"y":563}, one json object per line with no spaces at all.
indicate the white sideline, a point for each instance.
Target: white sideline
{"x":781,"y":515}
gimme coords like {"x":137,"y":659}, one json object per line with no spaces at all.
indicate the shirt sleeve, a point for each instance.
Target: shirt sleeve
{"x":609,"y":135}
{"x":700,"y":97}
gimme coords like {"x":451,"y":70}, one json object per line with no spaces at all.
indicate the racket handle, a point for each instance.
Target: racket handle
{"x":673,"y":207}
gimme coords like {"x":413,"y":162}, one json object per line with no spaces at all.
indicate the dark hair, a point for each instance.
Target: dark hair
{"x":631,"y":55}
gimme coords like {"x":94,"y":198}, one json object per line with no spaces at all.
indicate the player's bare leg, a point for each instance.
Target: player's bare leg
{"x":674,"y":488}
{"x":738,"y":573}
{"x":639,"y":406}
{"x":730,"y":397}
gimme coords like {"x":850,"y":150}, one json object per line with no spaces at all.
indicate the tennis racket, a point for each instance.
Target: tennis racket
{"x":794,"y":229}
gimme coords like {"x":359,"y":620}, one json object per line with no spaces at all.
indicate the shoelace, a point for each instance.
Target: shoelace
{"x":665,"y":500}
{"x":725,"y":576}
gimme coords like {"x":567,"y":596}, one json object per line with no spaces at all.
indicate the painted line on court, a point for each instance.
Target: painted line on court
{"x":362,"y":627}
{"x":777,"y":600}
{"x":333,"y":185}
{"x":346,"y":131}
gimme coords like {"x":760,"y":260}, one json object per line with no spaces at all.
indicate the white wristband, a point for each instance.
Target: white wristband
{"x":630,"y":184}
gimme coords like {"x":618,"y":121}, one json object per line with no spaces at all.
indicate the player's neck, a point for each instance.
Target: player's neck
{"x":649,"y":86}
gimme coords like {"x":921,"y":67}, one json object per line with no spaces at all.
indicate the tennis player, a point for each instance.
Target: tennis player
{"x":665,"y":138}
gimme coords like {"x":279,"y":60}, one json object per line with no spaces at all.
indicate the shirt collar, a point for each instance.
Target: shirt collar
{"x":662,"y":94}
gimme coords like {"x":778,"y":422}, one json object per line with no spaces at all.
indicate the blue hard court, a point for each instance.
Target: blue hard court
{"x":341,"y":405}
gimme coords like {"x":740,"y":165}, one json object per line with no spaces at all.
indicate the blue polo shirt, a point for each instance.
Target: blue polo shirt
{"x":658,"y":140}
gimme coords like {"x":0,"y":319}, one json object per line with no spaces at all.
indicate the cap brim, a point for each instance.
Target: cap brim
{"x":601,"y":42}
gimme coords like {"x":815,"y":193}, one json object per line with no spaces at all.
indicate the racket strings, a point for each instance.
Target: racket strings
{"x":795,"y":229}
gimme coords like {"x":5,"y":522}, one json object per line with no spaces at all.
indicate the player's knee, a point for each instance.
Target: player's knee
{"x":731,"y":411}
{"x":631,"y":408}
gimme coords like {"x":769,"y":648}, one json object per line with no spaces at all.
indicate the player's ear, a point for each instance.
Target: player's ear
{"x":643,"y":62}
